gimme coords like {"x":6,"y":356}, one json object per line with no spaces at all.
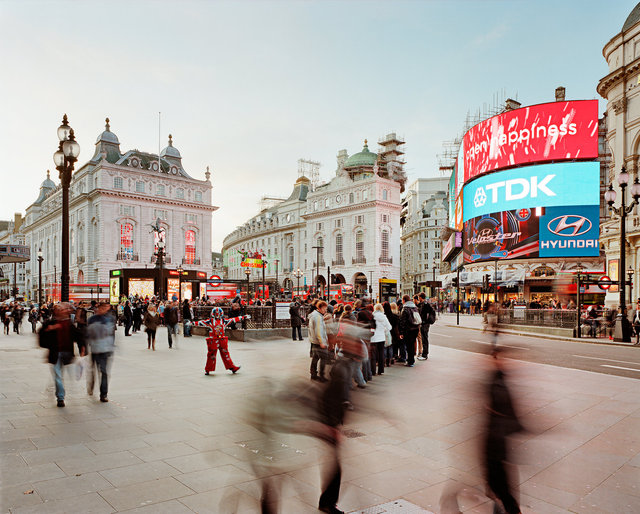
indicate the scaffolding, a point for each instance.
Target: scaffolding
{"x":311,"y":170}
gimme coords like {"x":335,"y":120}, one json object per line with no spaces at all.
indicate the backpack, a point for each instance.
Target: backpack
{"x":415,"y":317}
{"x":431,"y":314}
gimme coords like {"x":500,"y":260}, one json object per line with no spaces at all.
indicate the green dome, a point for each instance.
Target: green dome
{"x":364,"y":158}
{"x":632,"y":19}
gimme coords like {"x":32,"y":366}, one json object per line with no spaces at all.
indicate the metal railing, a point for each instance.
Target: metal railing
{"x":261,"y":317}
{"x":385,"y":260}
{"x":191,"y":261}
{"x":338,"y":262}
{"x":559,"y":318}
{"x":125,"y":256}
{"x":321,"y":264}
{"x":166,"y":259}
{"x":359,"y":260}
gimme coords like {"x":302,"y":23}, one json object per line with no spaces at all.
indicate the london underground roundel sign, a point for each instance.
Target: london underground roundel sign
{"x":605,"y":282}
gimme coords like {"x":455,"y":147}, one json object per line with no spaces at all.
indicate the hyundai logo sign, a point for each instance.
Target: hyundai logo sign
{"x":570,"y":225}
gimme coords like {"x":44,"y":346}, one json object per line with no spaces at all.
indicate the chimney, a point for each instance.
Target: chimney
{"x":511,"y":104}
{"x":560,"y":91}
{"x":17,"y":223}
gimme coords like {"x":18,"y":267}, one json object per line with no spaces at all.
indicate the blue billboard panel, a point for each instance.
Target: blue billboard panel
{"x":543,"y":185}
{"x":570,"y":231}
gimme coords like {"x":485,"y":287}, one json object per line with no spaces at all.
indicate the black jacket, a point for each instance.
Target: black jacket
{"x":57,"y":336}
{"x":406,"y":316}
{"x":426,"y":311}
{"x":294,"y":312}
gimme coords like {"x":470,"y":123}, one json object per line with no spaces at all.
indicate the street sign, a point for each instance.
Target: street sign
{"x":605,"y":282}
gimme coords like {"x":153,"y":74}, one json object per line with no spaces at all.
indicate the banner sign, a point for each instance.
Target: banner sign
{"x":544,"y":185}
{"x":114,"y":291}
{"x":546,"y":132}
{"x":251,"y":263}
{"x":454,"y":241}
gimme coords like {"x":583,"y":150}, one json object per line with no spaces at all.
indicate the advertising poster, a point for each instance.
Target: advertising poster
{"x":614,"y":265}
{"x":203,"y":289}
{"x":543,"y":185}
{"x":501,"y":235}
{"x":570,"y":231}
{"x":172,"y":287}
{"x":141,"y":287}
{"x":458,"y":215}
{"x":187,"y":291}
{"x":545,"y":132}
{"x":114,"y":291}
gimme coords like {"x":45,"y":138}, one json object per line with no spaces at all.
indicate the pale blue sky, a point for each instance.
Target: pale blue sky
{"x":249,"y":87}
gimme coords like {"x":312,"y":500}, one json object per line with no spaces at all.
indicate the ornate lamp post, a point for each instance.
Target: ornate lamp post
{"x":160,"y":264}
{"x":179,"y":270}
{"x":64,"y":159}
{"x":622,"y":211}
{"x":277,"y":286}
{"x":40,"y":259}
{"x":247,"y":272}
{"x":630,"y":273}
{"x":298,"y":274}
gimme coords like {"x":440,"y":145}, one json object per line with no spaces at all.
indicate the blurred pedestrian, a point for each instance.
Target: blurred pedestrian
{"x":101,"y":341}
{"x":171,"y":320}
{"x":151,"y":322}
{"x":33,"y":319}
{"x":319,"y":342}
{"x":6,"y":319}
{"x":58,"y":335}
{"x":187,"y":318}
{"x":17,"y":317}
{"x":128,"y":318}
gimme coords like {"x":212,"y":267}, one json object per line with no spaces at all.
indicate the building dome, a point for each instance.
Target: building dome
{"x":170,"y":151}
{"x":364,"y":158}
{"x":107,"y":136}
{"x":45,"y":188}
{"x":632,"y":19}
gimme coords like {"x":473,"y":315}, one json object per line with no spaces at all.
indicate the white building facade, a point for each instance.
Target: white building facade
{"x":114,"y":198}
{"x":354,"y":219}
{"x":424,"y":215}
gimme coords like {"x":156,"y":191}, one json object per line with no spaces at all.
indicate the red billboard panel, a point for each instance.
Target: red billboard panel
{"x":538,"y":133}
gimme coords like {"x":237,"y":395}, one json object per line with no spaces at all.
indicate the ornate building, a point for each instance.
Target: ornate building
{"x":350,"y":224}
{"x":114,"y":197}
{"x":621,"y":88}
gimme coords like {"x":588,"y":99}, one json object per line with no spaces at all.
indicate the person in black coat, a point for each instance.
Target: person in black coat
{"x":128,"y":318}
{"x":187,"y":318}
{"x":296,"y":320}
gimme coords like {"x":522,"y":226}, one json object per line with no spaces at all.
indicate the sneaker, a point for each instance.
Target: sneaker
{"x":421,"y":358}
{"x":60,"y":403}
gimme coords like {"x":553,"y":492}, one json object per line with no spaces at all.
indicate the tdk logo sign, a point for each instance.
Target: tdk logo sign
{"x":514,"y":189}
{"x":569,"y":226}
{"x":542,"y":185}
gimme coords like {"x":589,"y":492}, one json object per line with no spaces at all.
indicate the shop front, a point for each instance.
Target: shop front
{"x":146,"y":283}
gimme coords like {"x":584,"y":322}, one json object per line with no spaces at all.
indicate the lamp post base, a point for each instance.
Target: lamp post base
{"x":622,"y":330}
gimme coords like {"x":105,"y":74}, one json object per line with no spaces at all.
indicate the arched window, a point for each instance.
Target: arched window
{"x":80,"y":242}
{"x":359,"y":246}
{"x":291,"y":256}
{"x":80,"y":277}
{"x":189,"y":247}
{"x":339,"y":255}
{"x":384,"y":194}
{"x":384,"y":256}
{"x":126,"y":242}
{"x":350,"y":197}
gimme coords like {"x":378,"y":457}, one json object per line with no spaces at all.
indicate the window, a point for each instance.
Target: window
{"x":72,"y":244}
{"x":198,"y":196}
{"x":127,"y":210}
{"x":191,"y":218}
{"x":384,"y":194}
{"x":179,"y":193}
{"x":359,"y":245}
{"x":291,"y":258}
{"x":318,"y":226}
{"x":315,"y":205}
{"x":326,"y":203}
{"x":339,"y":255}
{"x":190,"y":247}
{"x":359,"y":219}
{"x":126,"y":241}
{"x":338,"y":223}
{"x":139,"y":186}
{"x":350,"y":197}
{"x":385,"y":218}
{"x":385,"y":246}
{"x":118,"y":183}
{"x":159,"y":213}
{"x":160,"y":190}
{"x":365,"y":195}
{"x":320,"y":250}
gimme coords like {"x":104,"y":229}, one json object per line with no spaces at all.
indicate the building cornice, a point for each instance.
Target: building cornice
{"x":289,"y":228}
{"x":156,"y":199}
{"x":617,"y":76}
{"x":350,"y":208}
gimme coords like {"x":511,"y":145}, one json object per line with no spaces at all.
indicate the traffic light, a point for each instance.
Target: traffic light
{"x":487,"y":281}
{"x":455,"y":282}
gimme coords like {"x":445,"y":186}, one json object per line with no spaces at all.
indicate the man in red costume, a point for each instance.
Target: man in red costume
{"x":217,"y":340}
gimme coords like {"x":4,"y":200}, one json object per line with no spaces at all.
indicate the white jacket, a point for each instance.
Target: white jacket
{"x":382,"y":324}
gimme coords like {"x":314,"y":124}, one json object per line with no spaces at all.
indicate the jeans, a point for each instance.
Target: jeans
{"x":99,"y":361}
{"x":186,"y":327}
{"x":356,"y":373}
{"x":409,"y":338}
{"x":57,"y":373}
{"x":172,"y":329}
{"x":318,"y":354}
{"x":293,"y":332}
{"x":424,"y":332}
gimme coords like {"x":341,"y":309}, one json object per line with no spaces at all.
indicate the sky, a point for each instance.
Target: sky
{"x":249,"y":87}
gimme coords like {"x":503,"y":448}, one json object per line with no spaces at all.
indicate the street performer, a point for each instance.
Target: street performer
{"x":217,"y":340}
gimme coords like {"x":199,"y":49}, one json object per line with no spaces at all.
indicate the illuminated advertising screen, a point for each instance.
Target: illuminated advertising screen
{"x":114,"y":291}
{"x":452,"y":199}
{"x":546,"y":132}
{"x":570,"y":231}
{"x":454,"y":241}
{"x":172,"y":287}
{"x":141,"y":287}
{"x":544,"y":185}
{"x":501,"y":235}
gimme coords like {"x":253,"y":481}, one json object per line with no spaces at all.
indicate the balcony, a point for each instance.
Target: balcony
{"x":166,"y":259}
{"x":385,"y":260}
{"x":338,"y":262}
{"x":321,"y":264}
{"x":359,"y":260}
{"x":195,"y":262}
{"x":120,"y":256}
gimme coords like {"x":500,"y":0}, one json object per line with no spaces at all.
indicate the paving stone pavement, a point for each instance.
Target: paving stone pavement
{"x":172,"y":440}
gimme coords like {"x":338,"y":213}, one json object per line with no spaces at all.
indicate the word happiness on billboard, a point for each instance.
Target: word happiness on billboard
{"x":539,"y":133}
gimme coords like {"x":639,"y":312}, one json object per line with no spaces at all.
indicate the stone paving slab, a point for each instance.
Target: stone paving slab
{"x":173,"y":440}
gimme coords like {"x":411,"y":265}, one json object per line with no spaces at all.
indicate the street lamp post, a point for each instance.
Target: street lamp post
{"x":247,"y":272}
{"x":579,"y":269}
{"x":298,"y":274}
{"x":64,"y":159}
{"x":264,"y":285}
{"x":160,"y":271}
{"x":179,"y":270}
{"x":40,"y":259}
{"x":277,"y":285}
{"x":630,"y":282}
{"x":622,"y":211}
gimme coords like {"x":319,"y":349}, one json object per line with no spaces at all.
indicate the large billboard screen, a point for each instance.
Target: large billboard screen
{"x":570,"y":231}
{"x":538,"y":133}
{"x":544,"y":185}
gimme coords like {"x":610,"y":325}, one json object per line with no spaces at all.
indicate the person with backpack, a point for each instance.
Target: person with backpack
{"x":428,"y":315}
{"x":410,"y":323}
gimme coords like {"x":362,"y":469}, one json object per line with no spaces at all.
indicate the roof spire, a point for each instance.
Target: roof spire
{"x":170,"y":140}
{"x":107,"y":126}
{"x":207,"y":174}
{"x":48,"y":174}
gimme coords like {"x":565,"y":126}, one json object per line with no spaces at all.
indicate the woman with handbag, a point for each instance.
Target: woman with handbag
{"x":151,"y":322}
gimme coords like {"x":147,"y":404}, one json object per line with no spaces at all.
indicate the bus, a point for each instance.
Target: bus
{"x":79,"y":292}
